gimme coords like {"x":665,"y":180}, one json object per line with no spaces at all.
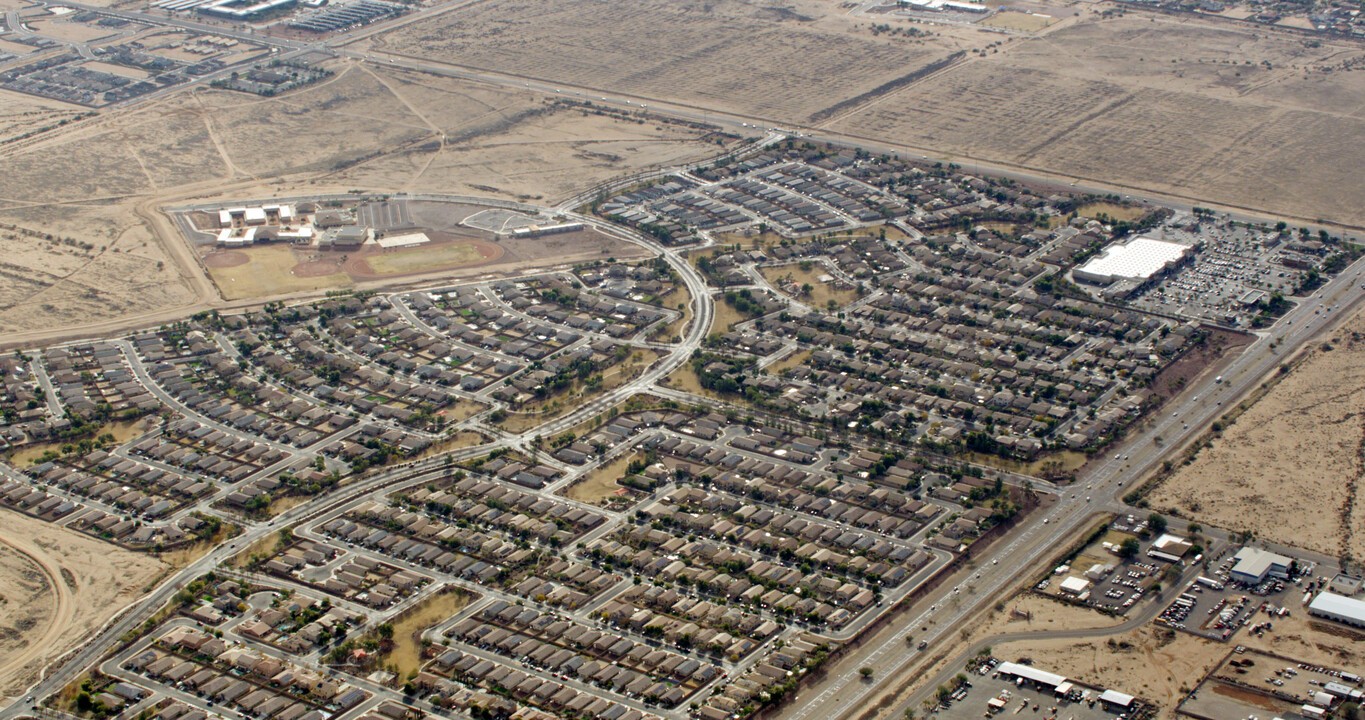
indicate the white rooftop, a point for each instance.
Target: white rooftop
{"x":1140,"y":259}
{"x":1030,"y":673}
{"x":1075,"y":585}
{"x":1338,"y":605}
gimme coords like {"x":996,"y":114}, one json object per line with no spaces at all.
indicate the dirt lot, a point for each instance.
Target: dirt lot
{"x":1196,"y":108}
{"x":407,"y":632}
{"x":1162,"y":665}
{"x":381,"y":130}
{"x":781,"y":63}
{"x":1155,"y":663}
{"x":1024,"y":612}
{"x":1289,"y":468}
{"x":601,"y":484}
{"x":71,"y":585}
{"x":821,"y":292}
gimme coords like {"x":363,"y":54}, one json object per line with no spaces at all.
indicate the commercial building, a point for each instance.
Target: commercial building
{"x":1339,"y":608}
{"x":1141,"y":259}
{"x":1170,"y":548}
{"x":539,"y":230}
{"x":243,"y":10}
{"x":1075,"y":586}
{"x":1255,"y":565}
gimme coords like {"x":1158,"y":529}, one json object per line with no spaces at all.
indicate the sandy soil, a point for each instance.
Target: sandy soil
{"x":821,"y":292}
{"x":1155,"y":663}
{"x":382,"y":130}
{"x":27,"y":603}
{"x":1289,"y":469}
{"x":1192,"y":107}
{"x":1163,"y":665}
{"x":84,"y":580}
{"x":739,"y":55}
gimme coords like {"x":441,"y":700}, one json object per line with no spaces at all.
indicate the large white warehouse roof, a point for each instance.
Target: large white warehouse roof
{"x":1140,"y":259}
{"x":1338,"y":607}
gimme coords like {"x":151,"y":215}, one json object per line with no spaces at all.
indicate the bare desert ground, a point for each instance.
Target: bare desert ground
{"x":1025,"y":612}
{"x":1155,"y":663}
{"x":58,"y":586}
{"x":369,"y":129}
{"x":1241,"y":116}
{"x":1289,"y":468}
{"x":1163,"y":665}
{"x":786,"y":64}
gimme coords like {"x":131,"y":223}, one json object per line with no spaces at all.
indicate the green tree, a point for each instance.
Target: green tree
{"x":1128,"y":549}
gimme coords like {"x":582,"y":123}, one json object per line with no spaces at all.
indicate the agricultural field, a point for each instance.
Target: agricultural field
{"x":1212,"y":112}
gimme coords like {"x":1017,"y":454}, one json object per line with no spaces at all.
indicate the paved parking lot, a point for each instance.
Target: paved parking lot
{"x":1237,"y":267}
{"x":1215,"y":607}
{"x":1115,"y":584}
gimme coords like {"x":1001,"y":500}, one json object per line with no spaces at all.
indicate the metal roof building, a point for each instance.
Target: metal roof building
{"x":1041,"y":677}
{"x":1339,"y":608}
{"x":1140,"y":259}
{"x":1254,"y":564}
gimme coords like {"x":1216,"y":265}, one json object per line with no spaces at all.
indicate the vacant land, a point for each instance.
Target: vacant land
{"x":1241,"y":116}
{"x":27,"y":603}
{"x":725,"y":317}
{"x":407,"y":631}
{"x":821,"y":292}
{"x":78,"y":249}
{"x":786,"y":64}
{"x":22,"y":116}
{"x":1161,"y":664}
{"x":1289,"y":468}
{"x":600,"y":484}
{"x":76,"y":584}
{"x":1156,"y":663}
{"x":1022,"y":613}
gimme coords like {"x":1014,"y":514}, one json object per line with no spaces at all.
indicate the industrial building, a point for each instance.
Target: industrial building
{"x":1075,"y":586}
{"x":1339,"y":608}
{"x":1141,"y":259}
{"x":945,"y":6}
{"x":345,"y":237}
{"x":1059,"y":684}
{"x":1255,"y":565}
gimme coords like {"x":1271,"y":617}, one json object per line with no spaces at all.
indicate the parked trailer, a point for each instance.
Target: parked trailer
{"x":1209,"y":582}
